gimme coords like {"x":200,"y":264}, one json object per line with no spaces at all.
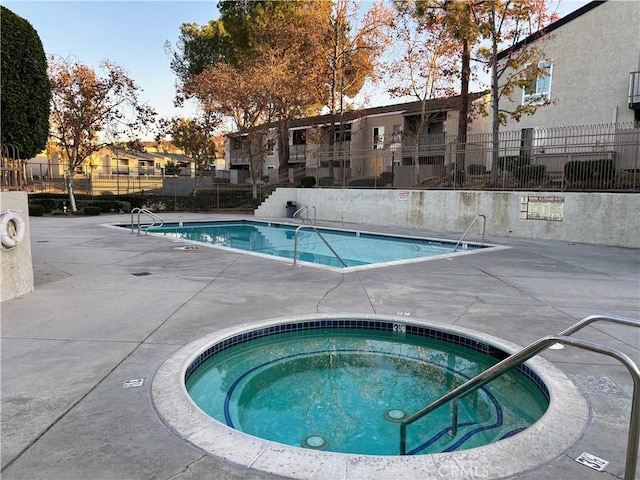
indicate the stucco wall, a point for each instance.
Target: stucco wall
{"x":16,"y":274}
{"x":598,"y":218}
{"x":592,"y":56}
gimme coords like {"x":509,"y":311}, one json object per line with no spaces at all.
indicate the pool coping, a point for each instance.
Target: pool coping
{"x":539,"y":444}
{"x":486,"y":247}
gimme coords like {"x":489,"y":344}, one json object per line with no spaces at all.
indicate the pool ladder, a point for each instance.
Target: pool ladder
{"x":295,"y":244}
{"x":533,"y":349}
{"x":304,"y":210}
{"x":484,"y":225}
{"x":156,"y":220}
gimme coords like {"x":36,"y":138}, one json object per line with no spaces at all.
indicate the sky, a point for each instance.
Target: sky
{"x":133,"y":35}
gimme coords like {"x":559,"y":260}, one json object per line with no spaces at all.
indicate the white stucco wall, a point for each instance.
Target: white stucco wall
{"x":16,"y":272}
{"x":598,"y":218}
{"x":592,"y":56}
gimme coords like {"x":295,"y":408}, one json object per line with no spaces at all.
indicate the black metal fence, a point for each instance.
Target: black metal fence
{"x":576,"y":158}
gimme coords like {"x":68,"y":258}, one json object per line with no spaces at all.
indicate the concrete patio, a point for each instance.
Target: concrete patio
{"x":93,"y":323}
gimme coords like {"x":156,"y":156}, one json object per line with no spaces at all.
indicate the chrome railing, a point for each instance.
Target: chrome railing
{"x":295,"y":244}
{"x":532,"y":350}
{"x":484,"y":226}
{"x":304,"y":210}
{"x":156,"y":220}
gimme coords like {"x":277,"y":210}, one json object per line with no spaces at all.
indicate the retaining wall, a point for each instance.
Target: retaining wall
{"x":597,"y":218}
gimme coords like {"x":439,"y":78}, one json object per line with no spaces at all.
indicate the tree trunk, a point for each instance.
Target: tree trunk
{"x":495,"y":105}
{"x":283,"y":147}
{"x":464,"y":110}
{"x":72,"y":198}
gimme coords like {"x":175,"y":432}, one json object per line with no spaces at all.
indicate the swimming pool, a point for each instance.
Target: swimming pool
{"x":332,"y":248}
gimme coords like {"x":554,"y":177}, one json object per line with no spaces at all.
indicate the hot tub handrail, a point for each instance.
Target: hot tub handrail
{"x":295,"y":244}
{"x":305,"y":209}
{"x":156,"y":220}
{"x":532,"y":350}
{"x":484,"y":225}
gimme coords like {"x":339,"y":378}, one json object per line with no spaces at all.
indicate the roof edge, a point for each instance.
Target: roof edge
{"x":551,"y":27}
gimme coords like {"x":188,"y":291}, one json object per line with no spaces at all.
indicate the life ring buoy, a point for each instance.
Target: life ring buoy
{"x":12,"y":228}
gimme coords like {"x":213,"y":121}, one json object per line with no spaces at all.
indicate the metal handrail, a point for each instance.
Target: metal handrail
{"x":535,"y":348}
{"x":484,"y":225}
{"x":156,"y":220}
{"x":295,"y":244}
{"x":305,"y":209}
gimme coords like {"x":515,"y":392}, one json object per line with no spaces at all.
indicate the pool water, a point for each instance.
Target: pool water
{"x":345,"y":391}
{"x":355,"y":248}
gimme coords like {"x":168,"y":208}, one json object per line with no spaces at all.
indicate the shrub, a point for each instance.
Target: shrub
{"x":527,"y":173}
{"x":603,"y":170}
{"x":91,"y":210}
{"x":36,"y":210}
{"x":364,"y":182}
{"x":47,"y":204}
{"x":587,"y":171}
{"x":386,"y":178}
{"x":326,"y":181}
{"x":476,"y":169}
{"x":307,"y":182}
{"x":510,"y":163}
{"x":107,"y":206}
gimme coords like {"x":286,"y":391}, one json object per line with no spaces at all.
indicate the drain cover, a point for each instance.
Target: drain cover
{"x":141,"y":274}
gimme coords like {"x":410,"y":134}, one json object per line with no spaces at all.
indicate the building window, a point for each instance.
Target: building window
{"x":342,"y":133}
{"x":299,"y":137}
{"x":538,"y":87}
{"x":378,"y":138}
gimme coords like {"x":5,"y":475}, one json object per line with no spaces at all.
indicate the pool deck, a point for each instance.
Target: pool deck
{"x":110,"y":307}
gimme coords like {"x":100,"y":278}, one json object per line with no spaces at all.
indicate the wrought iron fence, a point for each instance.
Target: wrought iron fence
{"x":589,"y":157}
{"x":576,"y":158}
{"x":11,"y":177}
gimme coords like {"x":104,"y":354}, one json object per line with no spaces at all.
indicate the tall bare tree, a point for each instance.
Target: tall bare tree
{"x":84,"y":104}
{"x":354,"y":46}
{"x":425,"y":66}
{"x":505,"y":24}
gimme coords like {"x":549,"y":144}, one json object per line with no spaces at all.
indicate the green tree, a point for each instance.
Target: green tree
{"x":26,"y":93}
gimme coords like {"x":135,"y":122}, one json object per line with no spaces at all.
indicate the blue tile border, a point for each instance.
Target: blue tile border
{"x":361,"y":324}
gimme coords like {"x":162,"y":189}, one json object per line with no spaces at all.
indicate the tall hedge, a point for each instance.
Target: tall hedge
{"x":25,"y":98}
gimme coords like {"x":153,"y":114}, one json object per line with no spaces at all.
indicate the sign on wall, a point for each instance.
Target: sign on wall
{"x":540,"y":207}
